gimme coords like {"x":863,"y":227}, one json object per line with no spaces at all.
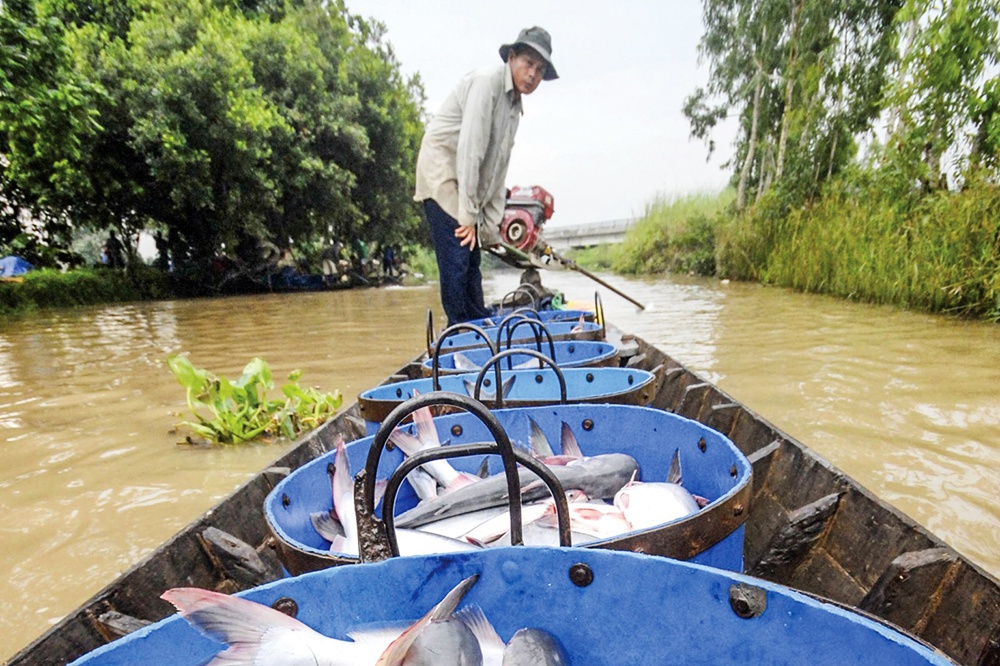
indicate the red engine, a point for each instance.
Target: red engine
{"x":526,"y":212}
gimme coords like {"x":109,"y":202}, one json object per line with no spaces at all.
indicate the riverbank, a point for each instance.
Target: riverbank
{"x":83,"y":286}
{"x":48,"y":288}
{"x":935,"y":252}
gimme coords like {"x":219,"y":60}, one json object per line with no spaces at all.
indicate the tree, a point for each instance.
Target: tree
{"x":46,"y":117}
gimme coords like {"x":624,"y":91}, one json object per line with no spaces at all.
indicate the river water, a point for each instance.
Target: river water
{"x":92,"y":478}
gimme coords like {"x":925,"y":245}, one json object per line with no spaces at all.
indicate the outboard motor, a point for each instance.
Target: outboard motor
{"x":527,"y":210}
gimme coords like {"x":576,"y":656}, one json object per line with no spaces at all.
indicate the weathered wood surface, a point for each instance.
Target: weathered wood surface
{"x":810,"y":527}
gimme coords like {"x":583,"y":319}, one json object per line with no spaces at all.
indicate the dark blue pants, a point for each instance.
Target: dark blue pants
{"x":460,"y":278}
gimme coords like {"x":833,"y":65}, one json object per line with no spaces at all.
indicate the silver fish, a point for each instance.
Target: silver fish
{"x":534,"y":647}
{"x":598,"y":477}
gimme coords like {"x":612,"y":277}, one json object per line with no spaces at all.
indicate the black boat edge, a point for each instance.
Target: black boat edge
{"x":810,"y":527}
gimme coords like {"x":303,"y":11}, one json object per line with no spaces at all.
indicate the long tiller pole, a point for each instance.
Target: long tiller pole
{"x":569,"y":263}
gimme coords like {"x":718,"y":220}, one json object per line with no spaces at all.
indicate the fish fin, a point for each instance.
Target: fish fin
{"x":470,"y":388}
{"x":423,"y":484}
{"x":462,"y":362}
{"x":570,"y":447}
{"x":702,"y":502}
{"x":427,"y":434}
{"x":343,"y":485}
{"x":328,"y":527}
{"x":397,"y":650}
{"x":508,"y":385}
{"x":476,"y":621}
{"x":674,"y":474}
{"x":341,"y":545}
{"x":538,"y":442}
{"x":484,"y":469}
{"x":406,"y":442}
{"x":228,"y":619}
{"x":380,"y":486}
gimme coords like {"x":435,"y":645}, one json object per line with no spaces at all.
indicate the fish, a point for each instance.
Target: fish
{"x":465,"y":364}
{"x":426,"y":437}
{"x":598,"y":477}
{"x":258,"y":634}
{"x":438,"y":638}
{"x":532,"y":646}
{"x":650,"y":504}
{"x":339,"y":526}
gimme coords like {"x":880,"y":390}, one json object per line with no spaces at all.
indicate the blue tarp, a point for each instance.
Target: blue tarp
{"x":13,"y":266}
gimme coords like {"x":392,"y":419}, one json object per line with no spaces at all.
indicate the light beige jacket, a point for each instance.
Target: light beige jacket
{"x":465,"y":151}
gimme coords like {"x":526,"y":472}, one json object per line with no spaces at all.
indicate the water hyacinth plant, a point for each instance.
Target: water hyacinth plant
{"x":232,"y":412}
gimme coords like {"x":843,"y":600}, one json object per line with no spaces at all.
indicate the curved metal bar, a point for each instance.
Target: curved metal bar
{"x":462,"y":450}
{"x":511,"y":352}
{"x":523,"y":287}
{"x":502,"y":447}
{"x":451,"y":330}
{"x":599,"y":313}
{"x":538,"y":328}
{"x":430,"y":330}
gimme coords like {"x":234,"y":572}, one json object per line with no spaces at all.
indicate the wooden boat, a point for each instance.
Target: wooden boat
{"x":706,"y":616}
{"x":810,"y":527}
{"x":713,"y":468}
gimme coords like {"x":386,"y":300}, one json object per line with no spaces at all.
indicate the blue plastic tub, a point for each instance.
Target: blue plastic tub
{"x":606,"y":608}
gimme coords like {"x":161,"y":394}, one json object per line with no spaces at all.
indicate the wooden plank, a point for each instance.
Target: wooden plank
{"x":692,"y":400}
{"x":909,"y":589}
{"x":789,"y":546}
{"x":966,"y":622}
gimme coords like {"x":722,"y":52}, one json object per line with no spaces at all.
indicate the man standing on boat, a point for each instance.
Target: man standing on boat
{"x":463,"y":162}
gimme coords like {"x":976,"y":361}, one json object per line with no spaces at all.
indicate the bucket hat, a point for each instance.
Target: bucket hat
{"x":538,"y":39}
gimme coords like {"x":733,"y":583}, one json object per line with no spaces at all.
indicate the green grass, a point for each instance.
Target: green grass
{"x":937,"y":252}
{"x":675,"y":235}
{"x":85,"y":286}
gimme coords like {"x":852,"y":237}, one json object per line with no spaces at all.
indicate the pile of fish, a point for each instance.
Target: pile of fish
{"x":458,"y":511}
{"x":258,"y":634}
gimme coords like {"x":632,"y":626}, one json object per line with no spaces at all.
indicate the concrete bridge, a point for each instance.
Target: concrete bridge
{"x":587,"y":235}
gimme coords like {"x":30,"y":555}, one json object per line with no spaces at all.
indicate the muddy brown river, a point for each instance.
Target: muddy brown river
{"x":92,"y":478}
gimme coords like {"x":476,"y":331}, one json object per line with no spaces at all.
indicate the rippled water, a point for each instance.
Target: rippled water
{"x":91,"y":479}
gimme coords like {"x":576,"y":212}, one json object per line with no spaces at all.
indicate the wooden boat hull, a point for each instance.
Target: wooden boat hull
{"x":539,"y":386}
{"x":626,"y":609}
{"x":712,"y":466}
{"x":810,"y":527}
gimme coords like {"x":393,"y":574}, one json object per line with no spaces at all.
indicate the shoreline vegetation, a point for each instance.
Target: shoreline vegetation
{"x":937,"y":252}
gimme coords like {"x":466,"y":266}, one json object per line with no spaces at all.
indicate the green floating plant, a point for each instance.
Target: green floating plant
{"x":232,"y":412}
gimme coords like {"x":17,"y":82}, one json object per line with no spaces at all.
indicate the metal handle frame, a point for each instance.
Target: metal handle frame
{"x":365,"y":481}
{"x":446,"y":333}
{"x":496,"y":365}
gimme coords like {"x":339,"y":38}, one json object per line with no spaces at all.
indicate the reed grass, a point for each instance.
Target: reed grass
{"x":675,"y":234}
{"x":938,"y":252}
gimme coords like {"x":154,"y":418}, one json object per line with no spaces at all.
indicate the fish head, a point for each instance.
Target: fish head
{"x":534,"y":647}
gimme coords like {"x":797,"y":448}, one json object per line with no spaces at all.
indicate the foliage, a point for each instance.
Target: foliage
{"x":46,"y":117}
{"x":421,"y":259}
{"x":82,"y":286}
{"x":234,"y":412}
{"x":229,"y":126}
{"x":675,"y":234}
{"x":938,"y":252}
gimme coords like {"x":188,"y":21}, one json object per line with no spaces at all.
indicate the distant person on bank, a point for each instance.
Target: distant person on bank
{"x":462,"y":164}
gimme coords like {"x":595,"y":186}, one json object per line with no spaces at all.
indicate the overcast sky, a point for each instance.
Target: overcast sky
{"x":608,"y":136}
